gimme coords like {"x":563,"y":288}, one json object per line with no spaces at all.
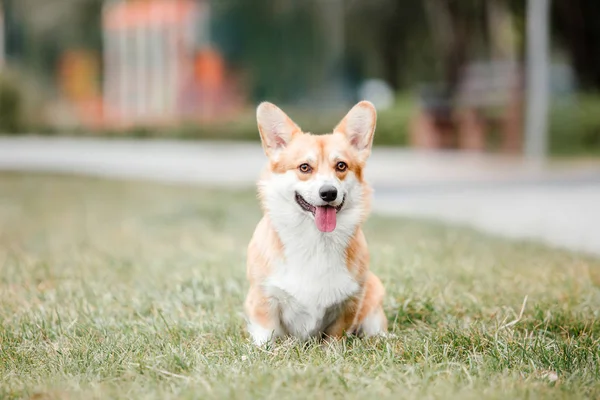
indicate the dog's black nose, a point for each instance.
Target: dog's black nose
{"x":328,"y":193}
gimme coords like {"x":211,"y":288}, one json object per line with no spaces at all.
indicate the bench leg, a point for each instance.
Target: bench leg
{"x":471,"y":131}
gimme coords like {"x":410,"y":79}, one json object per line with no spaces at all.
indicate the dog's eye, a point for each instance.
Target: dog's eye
{"x":305,"y":168}
{"x":341,"y":166}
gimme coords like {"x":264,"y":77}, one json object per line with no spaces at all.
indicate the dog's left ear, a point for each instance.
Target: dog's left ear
{"x":359,"y":127}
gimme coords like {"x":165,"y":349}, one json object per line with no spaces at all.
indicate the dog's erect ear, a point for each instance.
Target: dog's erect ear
{"x":275,"y":127}
{"x":359,"y":127}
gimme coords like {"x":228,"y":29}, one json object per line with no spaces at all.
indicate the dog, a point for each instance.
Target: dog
{"x":308,"y":261}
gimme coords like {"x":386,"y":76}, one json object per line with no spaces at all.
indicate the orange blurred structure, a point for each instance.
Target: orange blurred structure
{"x":159,"y":66}
{"x":79,"y":77}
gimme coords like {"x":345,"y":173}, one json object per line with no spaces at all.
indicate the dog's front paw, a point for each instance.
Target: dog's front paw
{"x":261,"y":336}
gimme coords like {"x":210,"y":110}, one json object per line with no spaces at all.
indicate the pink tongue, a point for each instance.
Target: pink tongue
{"x":325,"y":218}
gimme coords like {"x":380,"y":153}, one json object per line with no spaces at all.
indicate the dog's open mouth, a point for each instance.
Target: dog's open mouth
{"x":325,"y":216}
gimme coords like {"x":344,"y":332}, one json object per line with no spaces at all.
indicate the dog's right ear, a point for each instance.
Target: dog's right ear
{"x":275,"y":127}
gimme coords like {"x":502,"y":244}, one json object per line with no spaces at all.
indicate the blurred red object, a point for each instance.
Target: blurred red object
{"x":159,"y":66}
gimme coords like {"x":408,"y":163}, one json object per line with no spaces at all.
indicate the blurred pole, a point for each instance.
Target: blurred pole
{"x":537,"y":78}
{"x":2,"y":37}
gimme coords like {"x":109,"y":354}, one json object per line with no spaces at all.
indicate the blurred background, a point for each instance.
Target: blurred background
{"x":443,"y":73}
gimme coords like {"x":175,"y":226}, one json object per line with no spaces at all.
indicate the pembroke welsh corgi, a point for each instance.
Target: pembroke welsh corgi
{"x":308,"y":261}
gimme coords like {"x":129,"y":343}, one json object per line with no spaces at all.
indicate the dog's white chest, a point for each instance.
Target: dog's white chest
{"x":310,"y":291}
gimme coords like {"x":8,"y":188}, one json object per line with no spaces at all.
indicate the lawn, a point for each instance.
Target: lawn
{"x":135,"y":290}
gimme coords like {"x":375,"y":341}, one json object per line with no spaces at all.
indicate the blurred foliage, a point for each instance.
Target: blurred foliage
{"x":392,"y":126}
{"x":574,"y":126}
{"x":391,"y":40}
{"x":39,"y":31}
{"x":281,"y":43}
{"x":282,"y":49}
{"x":576,"y":30}
{"x":12,"y":113}
{"x":278,"y":46}
{"x":21,"y":102}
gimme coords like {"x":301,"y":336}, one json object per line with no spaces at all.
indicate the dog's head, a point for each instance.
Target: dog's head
{"x":316,"y":177}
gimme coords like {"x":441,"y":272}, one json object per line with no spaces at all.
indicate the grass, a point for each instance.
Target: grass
{"x":134,"y":290}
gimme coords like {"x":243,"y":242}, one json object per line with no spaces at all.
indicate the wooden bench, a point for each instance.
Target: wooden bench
{"x":488,"y":100}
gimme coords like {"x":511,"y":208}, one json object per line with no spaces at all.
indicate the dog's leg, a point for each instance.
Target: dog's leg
{"x":343,"y":323}
{"x":374,"y":324}
{"x":362,"y":316}
{"x":263,"y":322}
{"x":371,"y":319}
{"x":336,"y":330}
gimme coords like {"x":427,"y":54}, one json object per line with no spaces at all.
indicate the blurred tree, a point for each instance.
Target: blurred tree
{"x":44,"y":29}
{"x":283,"y":46}
{"x":13,"y":30}
{"x":277,"y":43}
{"x":11,"y":105}
{"x":389,"y":39}
{"x":407,"y":41}
{"x":575,"y":25}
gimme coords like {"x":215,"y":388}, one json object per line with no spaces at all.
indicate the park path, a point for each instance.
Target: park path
{"x":558,"y":204}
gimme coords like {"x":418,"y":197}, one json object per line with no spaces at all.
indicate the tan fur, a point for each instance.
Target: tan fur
{"x":357,"y":309}
{"x":266,"y":246}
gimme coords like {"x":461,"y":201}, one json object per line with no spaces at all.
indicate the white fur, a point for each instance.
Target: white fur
{"x":311,"y":282}
{"x":373,"y":324}
{"x":261,"y":335}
